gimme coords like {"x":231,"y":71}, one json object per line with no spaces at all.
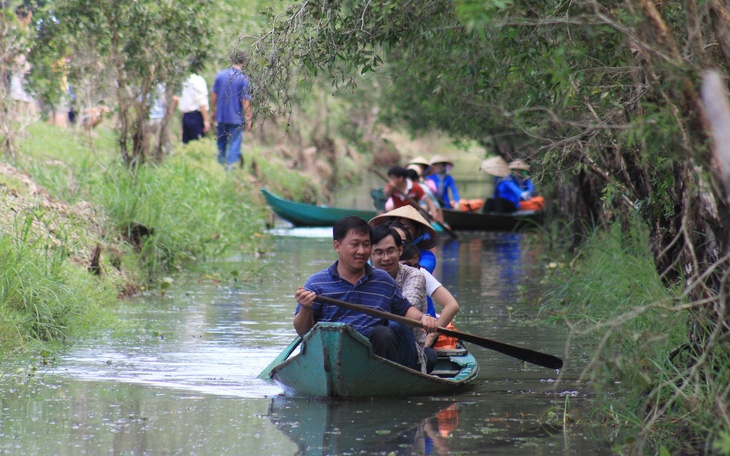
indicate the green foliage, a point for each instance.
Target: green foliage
{"x":138,"y":46}
{"x":44,"y":298}
{"x":187,"y":205}
{"x":665,"y":390}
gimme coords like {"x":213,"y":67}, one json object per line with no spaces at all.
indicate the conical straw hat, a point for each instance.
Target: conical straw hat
{"x":441,"y":159}
{"x":519,"y":164}
{"x":419,"y":161}
{"x":496,"y":166}
{"x":411,"y":213}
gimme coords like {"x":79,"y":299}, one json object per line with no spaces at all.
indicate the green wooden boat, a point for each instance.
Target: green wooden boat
{"x":337,"y":361}
{"x":300,"y":214}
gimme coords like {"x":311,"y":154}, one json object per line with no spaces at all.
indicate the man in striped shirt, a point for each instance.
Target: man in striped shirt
{"x":352,"y":279}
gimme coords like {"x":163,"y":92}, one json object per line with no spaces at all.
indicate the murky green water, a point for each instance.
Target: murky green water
{"x":187,"y":383}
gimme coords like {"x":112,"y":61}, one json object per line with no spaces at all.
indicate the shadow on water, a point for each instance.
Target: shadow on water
{"x":186,"y":382}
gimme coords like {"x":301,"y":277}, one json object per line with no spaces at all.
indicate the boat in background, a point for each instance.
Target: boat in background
{"x":300,"y":214}
{"x":491,"y":221}
{"x":337,"y":361}
{"x":477,"y":221}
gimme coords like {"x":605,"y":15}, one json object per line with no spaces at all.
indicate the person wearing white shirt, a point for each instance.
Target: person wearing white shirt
{"x":194,"y":106}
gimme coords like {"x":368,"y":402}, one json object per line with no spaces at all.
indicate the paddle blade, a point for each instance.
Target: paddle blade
{"x":524,"y":354}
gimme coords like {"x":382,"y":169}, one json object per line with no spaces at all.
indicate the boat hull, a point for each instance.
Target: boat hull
{"x":493,"y":221}
{"x":337,"y":361}
{"x":307,"y":215}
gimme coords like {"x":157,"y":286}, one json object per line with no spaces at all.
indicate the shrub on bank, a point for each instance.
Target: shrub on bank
{"x":69,"y":205}
{"x":666,"y":392}
{"x":44,"y":298}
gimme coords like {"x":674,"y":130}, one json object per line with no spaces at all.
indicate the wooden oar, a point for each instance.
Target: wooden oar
{"x":527,"y":355}
{"x":420,"y":209}
{"x":266,"y":373}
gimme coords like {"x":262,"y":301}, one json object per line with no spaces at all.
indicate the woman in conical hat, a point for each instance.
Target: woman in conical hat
{"x":443,"y":182}
{"x":521,"y":175}
{"x":507,"y":193}
{"x":424,"y":236}
{"x":418,"y":231}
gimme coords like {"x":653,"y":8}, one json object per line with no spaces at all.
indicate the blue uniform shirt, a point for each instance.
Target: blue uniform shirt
{"x":231,"y":87}
{"x":376,"y":289}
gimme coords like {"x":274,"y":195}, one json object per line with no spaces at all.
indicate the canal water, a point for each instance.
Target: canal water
{"x":180,"y":376}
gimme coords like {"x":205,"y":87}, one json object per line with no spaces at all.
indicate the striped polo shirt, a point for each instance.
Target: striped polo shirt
{"x":376,"y":289}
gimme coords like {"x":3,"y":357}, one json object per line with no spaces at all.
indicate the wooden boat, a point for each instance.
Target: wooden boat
{"x":300,"y":214}
{"x":477,"y":221}
{"x":491,"y":221}
{"x":335,"y":360}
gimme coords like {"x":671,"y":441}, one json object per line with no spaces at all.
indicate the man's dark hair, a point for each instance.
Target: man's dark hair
{"x":397,"y":171}
{"x":382,"y":231}
{"x":412,"y":175}
{"x":347,"y":224}
{"x":238,"y":58}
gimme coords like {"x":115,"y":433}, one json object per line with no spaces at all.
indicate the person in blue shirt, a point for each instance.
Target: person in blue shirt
{"x":521,"y":176}
{"x":353,"y":280}
{"x":507,"y":193}
{"x":443,"y":181}
{"x":230,"y":109}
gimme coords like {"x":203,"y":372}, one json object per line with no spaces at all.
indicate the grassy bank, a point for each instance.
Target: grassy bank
{"x":667,"y":398}
{"x":77,"y":224}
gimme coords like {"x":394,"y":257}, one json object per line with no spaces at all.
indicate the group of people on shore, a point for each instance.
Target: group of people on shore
{"x":228,"y":109}
{"x":386,"y":264}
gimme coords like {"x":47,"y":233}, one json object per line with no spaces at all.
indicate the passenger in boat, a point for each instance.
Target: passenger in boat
{"x":413,"y":175}
{"x":353,"y":280}
{"x":400,"y":185}
{"x":385,"y":255}
{"x":420,"y":232}
{"x":435,"y":290}
{"x":521,"y":176}
{"x":440,"y":168}
{"x":507,"y":193}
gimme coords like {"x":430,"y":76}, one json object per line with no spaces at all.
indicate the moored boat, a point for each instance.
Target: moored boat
{"x":300,"y":214}
{"x":335,"y":360}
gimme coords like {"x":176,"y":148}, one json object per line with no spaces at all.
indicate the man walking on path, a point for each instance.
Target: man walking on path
{"x":230,"y":104}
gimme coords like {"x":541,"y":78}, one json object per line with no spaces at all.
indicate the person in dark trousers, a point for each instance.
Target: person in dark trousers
{"x":230,"y":104}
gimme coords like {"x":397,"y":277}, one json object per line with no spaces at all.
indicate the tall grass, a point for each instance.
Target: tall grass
{"x":670,"y":394}
{"x":44,"y":298}
{"x":185,"y":209}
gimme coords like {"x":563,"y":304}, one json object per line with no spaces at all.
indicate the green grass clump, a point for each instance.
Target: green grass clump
{"x":44,"y":297}
{"x":667,"y":392}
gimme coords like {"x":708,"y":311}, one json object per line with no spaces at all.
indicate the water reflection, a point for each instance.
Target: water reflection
{"x":332,"y":427}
